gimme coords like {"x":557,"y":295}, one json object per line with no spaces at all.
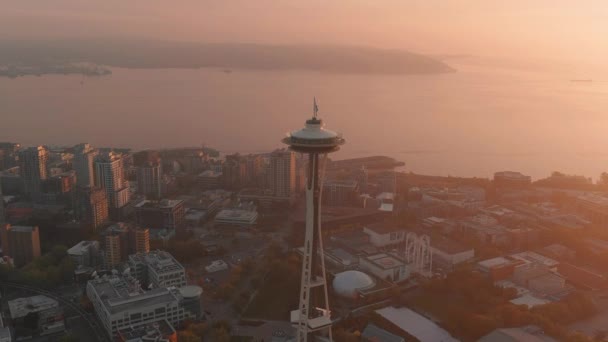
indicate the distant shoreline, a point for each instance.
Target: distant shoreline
{"x":178,"y":55}
{"x":84,"y":69}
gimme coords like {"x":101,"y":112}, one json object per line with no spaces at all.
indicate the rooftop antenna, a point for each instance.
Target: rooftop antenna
{"x":315,"y":108}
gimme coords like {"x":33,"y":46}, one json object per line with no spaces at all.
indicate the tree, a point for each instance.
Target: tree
{"x":69,"y":338}
{"x":198,"y":329}
{"x":223,"y":324}
{"x":187,"y":336}
{"x":345,"y":336}
{"x":220,"y":334}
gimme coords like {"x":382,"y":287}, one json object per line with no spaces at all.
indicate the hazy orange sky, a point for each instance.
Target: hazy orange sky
{"x":554,"y":29}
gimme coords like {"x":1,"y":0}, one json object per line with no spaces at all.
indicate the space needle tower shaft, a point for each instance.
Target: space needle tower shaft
{"x":313,"y":317}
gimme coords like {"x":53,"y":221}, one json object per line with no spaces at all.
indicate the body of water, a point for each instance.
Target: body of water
{"x":469,"y":123}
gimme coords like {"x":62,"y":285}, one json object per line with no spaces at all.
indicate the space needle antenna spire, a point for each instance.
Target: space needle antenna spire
{"x":315,"y":108}
{"x":313,"y":316}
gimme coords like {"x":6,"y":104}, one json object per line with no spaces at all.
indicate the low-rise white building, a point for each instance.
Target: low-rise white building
{"x":237,"y":217}
{"x":158,"y":269}
{"x":529,"y":257}
{"x":385,"y":266}
{"x":539,"y":279}
{"x":384,"y":234}
{"x":448,"y":253}
{"x":415,"y":324}
{"x":486,"y":228}
{"x":85,"y":253}
{"x":217,"y":265}
{"x":120,"y":304}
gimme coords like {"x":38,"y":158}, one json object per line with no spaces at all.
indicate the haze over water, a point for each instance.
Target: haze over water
{"x":469,"y":123}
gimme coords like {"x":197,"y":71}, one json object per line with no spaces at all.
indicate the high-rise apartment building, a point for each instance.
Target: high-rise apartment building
{"x":120,"y":240}
{"x":282,"y":177}
{"x":113,"y":251}
{"x":254,"y":170}
{"x":33,"y":164}
{"x":84,"y":164}
{"x":160,"y":215}
{"x":149,"y":173}
{"x":22,"y":243}
{"x":149,"y":177}
{"x":139,"y":240}
{"x":115,"y":240}
{"x":234,"y":171}
{"x":8,"y":155}
{"x":59,"y":188}
{"x":149,"y":180}
{"x":91,"y":206}
{"x":109,"y":174}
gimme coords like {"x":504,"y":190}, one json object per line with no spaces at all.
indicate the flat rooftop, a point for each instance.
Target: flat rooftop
{"x":210,"y":174}
{"x":22,"y":229}
{"x":494,"y":262}
{"x":195,"y":214}
{"x":150,"y":298}
{"x":236,"y":216}
{"x":81,"y":247}
{"x":20,"y":307}
{"x":448,"y":246}
{"x":158,"y":260}
{"x":533,"y":257}
{"x":341,"y":256}
{"x":384,"y":227}
{"x":385,"y":261}
{"x":118,"y":295}
{"x":331,"y":214}
{"x":594,"y":199}
{"x":154,"y":331}
{"x":415,"y":324}
{"x":497,"y":210}
{"x":163,"y":204}
{"x":340,"y":183}
{"x":116,"y":228}
{"x":529,"y":300}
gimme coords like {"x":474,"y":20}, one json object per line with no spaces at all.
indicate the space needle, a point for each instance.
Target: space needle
{"x":312,"y":317}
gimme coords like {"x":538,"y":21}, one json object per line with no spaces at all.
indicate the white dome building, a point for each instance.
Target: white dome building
{"x":348,"y":283}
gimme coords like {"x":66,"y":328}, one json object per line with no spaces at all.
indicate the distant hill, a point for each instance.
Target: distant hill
{"x":161,"y":54}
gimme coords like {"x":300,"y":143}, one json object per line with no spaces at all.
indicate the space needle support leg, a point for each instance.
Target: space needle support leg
{"x":308,"y":256}
{"x":320,"y":239}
